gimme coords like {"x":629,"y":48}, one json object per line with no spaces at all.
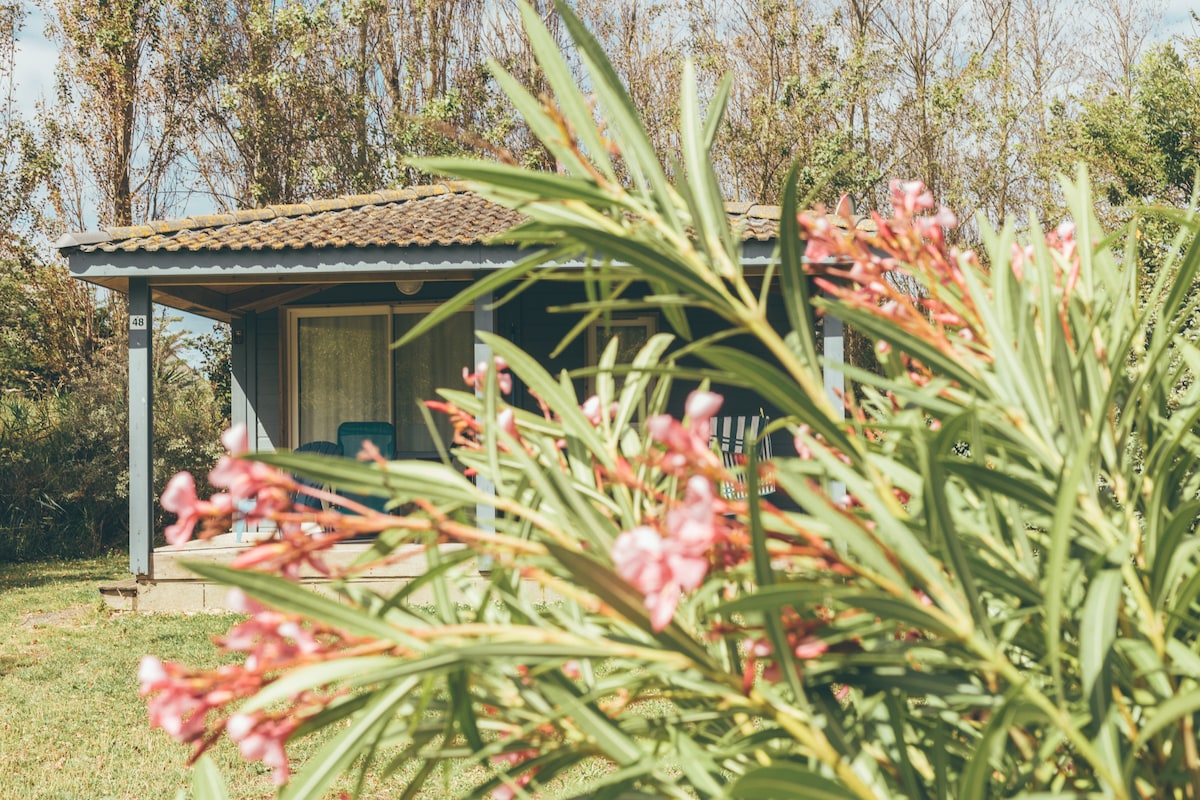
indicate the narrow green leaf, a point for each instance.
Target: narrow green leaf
{"x":986,"y":752}
{"x":605,"y":734}
{"x":754,"y":373}
{"x":716,"y":111}
{"x":621,"y":113}
{"x":1056,"y":562}
{"x":942,"y":523}
{"x":1098,"y":626}
{"x":1167,"y":714}
{"x":482,"y":287}
{"x":601,"y":581}
{"x":352,"y":672}
{"x":708,"y":207}
{"x":207,"y":783}
{"x":787,"y":781}
{"x":793,"y":281}
{"x":285,"y":595}
{"x":403,"y":480}
{"x":323,"y":768}
{"x":571,"y":102}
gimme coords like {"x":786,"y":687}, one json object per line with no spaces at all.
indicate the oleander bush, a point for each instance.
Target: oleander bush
{"x":978,"y":580}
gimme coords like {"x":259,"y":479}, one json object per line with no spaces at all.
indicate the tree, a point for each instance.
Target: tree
{"x":1144,"y":146}
{"x":794,"y":99}
{"x":282,"y":107}
{"x":121,"y":101}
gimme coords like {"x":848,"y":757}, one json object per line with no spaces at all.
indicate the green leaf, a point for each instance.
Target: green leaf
{"x":708,"y":209}
{"x":1098,"y":626}
{"x":1056,"y":572}
{"x":787,"y":781}
{"x":779,"y":390}
{"x":482,"y":287}
{"x":599,"y":727}
{"x":793,"y":281}
{"x":1167,"y":714}
{"x":352,"y":672}
{"x":622,"y":115}
{"x":942,"y":522}
{"x":601,"y":581}
{"x":207,"y":783}
{"x":403,"y":480}
{"x":987,"y":752}
{"x":572,"y":103}
{"x":323,"y":768}
{"x":284,"y":595}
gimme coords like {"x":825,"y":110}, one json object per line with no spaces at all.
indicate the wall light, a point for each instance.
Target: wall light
{"x":409,"y":287}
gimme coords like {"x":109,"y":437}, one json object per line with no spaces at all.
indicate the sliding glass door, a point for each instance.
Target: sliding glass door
{"x":344,"y":370}
{"x":420,"y":368}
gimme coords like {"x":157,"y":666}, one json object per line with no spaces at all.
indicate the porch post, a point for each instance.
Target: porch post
{"x":485,"y":320}
{"x":833,"y":352}
{"x":243,"y":388}
{"x":141,"y":427}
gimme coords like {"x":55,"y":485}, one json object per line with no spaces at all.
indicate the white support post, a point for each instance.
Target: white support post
{"x":141,"y":427}
{"x":485,"y":320}
{"x":833,"y":351}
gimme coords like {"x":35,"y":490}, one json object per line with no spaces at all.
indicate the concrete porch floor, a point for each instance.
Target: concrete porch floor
{"x":172,"y":588}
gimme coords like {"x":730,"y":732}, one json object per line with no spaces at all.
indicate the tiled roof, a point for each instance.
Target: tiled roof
{"x":442,"y":214}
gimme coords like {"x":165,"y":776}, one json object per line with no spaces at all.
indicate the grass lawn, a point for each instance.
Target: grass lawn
{"x":73,"y":725}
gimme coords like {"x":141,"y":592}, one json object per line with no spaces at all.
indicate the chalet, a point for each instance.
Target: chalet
{"x":316,"y":292}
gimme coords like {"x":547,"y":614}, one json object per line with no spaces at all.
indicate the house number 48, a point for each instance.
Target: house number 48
{"x":137,"y":322}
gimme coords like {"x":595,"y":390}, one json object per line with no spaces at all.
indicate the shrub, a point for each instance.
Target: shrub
{"x":66,"y":452}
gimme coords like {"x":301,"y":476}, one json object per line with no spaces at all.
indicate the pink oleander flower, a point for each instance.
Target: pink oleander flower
{"x":662,"y":567}
{"x":249,"y":480}
{"x":262,"y":739}
{"x":594,"y":413}
{"x":506,"y":420}
{"x":476,"y":380}
{"x":514,"y":758}
{"x":810,"y":647}
{"x":911,"y":197}
{"x":802,"y":448}
{"x":179,"y":497}
{"x":641,"y":558}
{"x":688,"y":446}
{"x":175,"y":707}
{"x":692,"y":526}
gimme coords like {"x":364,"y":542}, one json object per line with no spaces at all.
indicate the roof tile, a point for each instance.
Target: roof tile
{"x":417,"y":216}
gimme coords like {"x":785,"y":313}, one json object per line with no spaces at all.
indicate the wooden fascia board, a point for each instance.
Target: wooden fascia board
{"x":331,"y":265}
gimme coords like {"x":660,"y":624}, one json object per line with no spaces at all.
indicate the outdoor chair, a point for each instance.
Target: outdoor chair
{"x":729,"y":437}
{"x":351,"y":436}
{"x":320,"y":448}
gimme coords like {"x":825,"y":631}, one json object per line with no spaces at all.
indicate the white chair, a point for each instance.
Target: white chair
{"x":729,"y":437}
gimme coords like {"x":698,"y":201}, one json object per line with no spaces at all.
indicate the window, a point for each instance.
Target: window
{"x":631,"y":330}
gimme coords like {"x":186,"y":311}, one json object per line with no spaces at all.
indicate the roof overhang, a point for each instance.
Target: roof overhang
{"x":226,"y":284}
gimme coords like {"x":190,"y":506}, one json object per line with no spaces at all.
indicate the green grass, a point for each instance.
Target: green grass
{"x":73,"y":727}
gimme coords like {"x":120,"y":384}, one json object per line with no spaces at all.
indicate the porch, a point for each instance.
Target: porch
{"x":173,"y":588}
